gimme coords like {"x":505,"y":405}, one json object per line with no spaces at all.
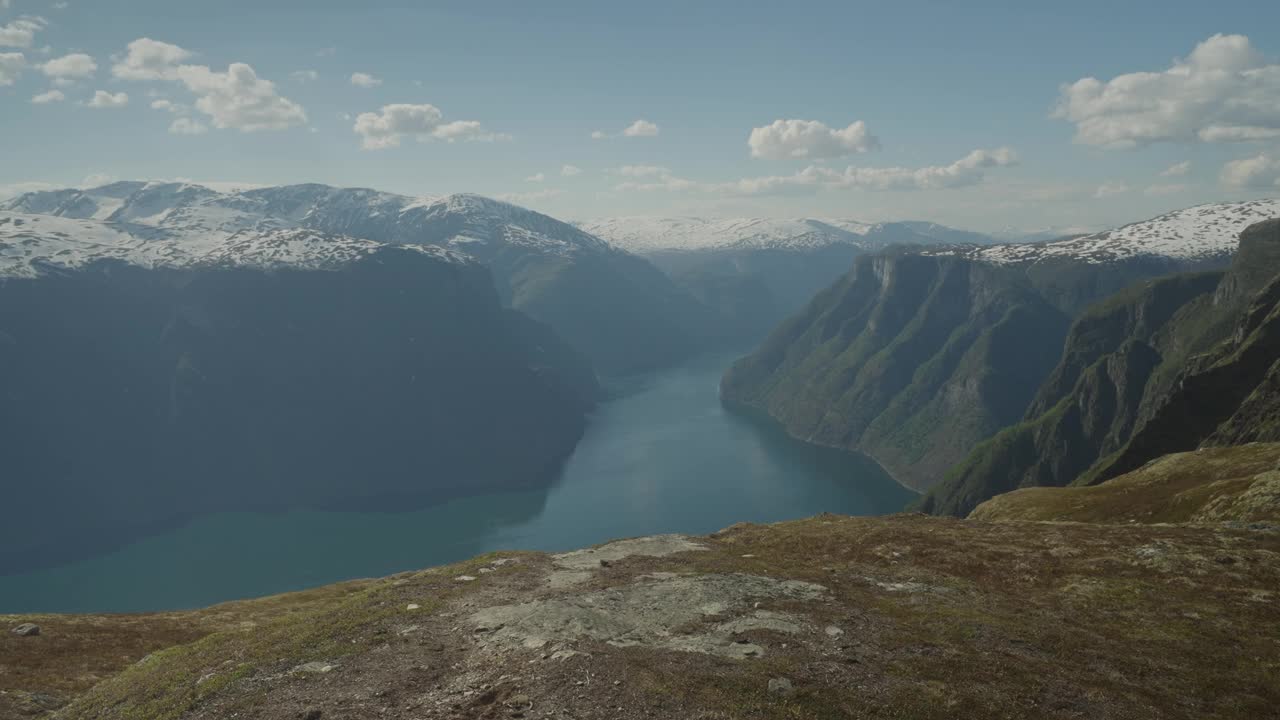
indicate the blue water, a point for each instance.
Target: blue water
{"x":663,"y":456}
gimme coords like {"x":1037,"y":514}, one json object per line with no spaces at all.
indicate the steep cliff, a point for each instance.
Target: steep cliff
{"x":136,"y":397}
{"x":909,"y":358}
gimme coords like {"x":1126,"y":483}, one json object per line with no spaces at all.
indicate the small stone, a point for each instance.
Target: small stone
{"x":26,"y":630}
{"x":314,"y":667}
{"x":412,"y":606}
{"x":465,"y":578}
{"x":748,"y":555}
{"x":780,"y":686}
{"x":604,"y":563}
{"x":485,"y":570}
{"x":520,"y":700}
{"x":833,"y":631}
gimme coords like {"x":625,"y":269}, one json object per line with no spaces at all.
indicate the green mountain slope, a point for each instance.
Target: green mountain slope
{"x":1124,"y":360}
{"x":915,"y":358}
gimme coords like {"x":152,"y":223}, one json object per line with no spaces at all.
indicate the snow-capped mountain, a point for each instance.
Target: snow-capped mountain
{"x":181,"y":222}
{"x":1203,"y":233}
{"x":649,"y":235}
{"x":32,"y":244}
{"x":615,"y":307}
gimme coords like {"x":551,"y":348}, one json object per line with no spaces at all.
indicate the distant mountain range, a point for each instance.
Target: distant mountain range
{"x":615,"y":307}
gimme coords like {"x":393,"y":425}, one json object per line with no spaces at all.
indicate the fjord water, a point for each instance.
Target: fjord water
{"x":661,"y":456}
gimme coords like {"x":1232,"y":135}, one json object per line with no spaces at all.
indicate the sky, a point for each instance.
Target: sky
{"x":982,"y":115}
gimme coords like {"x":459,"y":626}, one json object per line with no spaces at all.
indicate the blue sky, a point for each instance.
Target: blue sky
{"x":956,"y":103}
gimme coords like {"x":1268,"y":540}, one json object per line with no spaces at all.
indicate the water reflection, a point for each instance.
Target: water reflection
{"x":662,"y":456}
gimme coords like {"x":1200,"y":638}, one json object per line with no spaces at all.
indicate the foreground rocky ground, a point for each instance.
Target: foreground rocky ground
{"x":899,"y":617}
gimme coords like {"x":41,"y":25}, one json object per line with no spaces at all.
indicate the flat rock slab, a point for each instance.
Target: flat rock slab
{"x":648,"y":612}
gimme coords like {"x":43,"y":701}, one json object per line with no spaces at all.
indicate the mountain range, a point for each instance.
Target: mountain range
{"x":919,"y":354}
{"x":616,"y":308}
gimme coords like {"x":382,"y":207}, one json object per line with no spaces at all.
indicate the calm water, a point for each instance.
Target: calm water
{"x":662,"y":457}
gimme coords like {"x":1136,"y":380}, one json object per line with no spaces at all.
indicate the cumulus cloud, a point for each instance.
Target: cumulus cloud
{"x":386,"y":128}
{"x":1110,"y":188}
{"x":1259,"y":172}
{"x":968,"y":170}
{"x":239,"y":99}
{"x":147,"y":59}
{"x":48,"y":97}
{"x":166,"y":105}
{"x":21,"y":32}
{"x":536,"y":177}
{"x":570,"y":170}
{"x":68,"y":68}
{"x":784,"y":139}
{"x":235,"y":99}
{"x":639,"y":128}
{"x":187,"y":126}
{"x":1177,"y":169}
{"x":104,"y":99}
{"x":1223,"y":92}
{"x":364,"y":80}
{"x":11,"y":65}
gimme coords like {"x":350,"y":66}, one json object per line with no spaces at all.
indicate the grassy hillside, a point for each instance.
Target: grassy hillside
{"x":1237,"y":484}
{"x":906,"y":616}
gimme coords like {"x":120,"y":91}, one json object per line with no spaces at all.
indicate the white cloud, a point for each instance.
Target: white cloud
{"x":537,"y":177}
{"x":364,"y":80}
{"x":187,"y":126}
{"x":239,"y":99}
{"x":104,"y":99}
{"x":1223,"y":92}
{"x":1261,"y":171}
{"x":48,"y":97}
{"x":305,"y":75}
{"x":64,"y":70}
{"x":784,"y":139}
{"x":968,"y":170}
{"x":386,"y":128}
{"x":148,"y":59}
{"x":166,"y":105}
{"x":96,"y":180}
{"x":21,"y":32}
{"x":236,"y":99}
{"x":1177,"y":169}
{"x":641,"y":128}
{"x":1110,"y":188}
{"x":11,"y":65}
{"x":570,"y":170}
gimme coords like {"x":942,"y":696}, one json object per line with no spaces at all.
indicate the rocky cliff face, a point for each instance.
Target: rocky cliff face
{"x":136,"y":397}
{"x":1133,"y":383}
{"x":911,"y":359}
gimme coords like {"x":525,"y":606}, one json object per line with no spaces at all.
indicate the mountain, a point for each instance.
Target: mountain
{"x":1130,"y":365}
{"x":618,"y":309}
{"x":907,"y":616}
{"x":144,"y":382}
{"x":757,"y":271}
{"x":917,"y":355}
